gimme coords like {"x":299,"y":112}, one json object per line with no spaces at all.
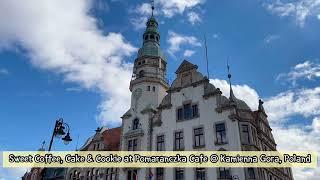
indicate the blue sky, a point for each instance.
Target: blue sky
{"x":73,"y":60}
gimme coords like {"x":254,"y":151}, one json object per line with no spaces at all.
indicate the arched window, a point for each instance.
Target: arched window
{"x":135,"y":124}
{"x":146,"y":37}
{"x":151,"y":36}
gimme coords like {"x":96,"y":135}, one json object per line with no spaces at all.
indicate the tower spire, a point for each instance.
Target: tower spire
{"x":152,"y":7}
{"x":232,"y":97}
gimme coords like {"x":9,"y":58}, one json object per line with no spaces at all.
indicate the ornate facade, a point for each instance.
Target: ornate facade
{"x":190,"y":114}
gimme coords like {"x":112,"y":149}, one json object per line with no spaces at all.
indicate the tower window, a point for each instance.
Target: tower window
{"x":153,"y":89}
{"x":135,"y":124}
{"x":157,"y":38}
{"x":141,"y":73}
{"x":151,"y":36}
{"x":146,"y":37}
{"x":148,"y":88}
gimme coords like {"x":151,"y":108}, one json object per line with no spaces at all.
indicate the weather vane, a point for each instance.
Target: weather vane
{"x":229,"y":74}
{"x":228,"y":67}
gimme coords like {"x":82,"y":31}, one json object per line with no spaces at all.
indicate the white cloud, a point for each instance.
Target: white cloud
{"x":299,"y":138}
{"x":216,"y":36}
{"x":293,"y":137}
{"x":194,"y":17}
{"x":166,"y":8}
{"x":305,"y":102}
{"x":300,"y":9}
{"x":101,"y":5}
{"x":243,"y":92}
{"x":73,"y":89}
{"x":188,"y":53}
{"x":176,"y":40}
{"x":61,"y":36}
{"x":316,"y":124}
{"x":295,"y":103}
{"x":270,"y":38}
{"x":306,"y":70}
{"x":143,"y":9}
{"x":141,"y":13}
{"x":139,"y":22}
{"x":171,"y":7}
{"x":4,"y":71}
{"x":10,"y":173}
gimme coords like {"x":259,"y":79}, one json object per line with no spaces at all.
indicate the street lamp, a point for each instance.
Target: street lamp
{"x":59,"y":131}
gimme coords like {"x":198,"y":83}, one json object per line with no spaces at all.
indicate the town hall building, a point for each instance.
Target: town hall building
{"x":191,"y":114}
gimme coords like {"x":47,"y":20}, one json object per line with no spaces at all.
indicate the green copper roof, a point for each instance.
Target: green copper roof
{"x":151,"y":40}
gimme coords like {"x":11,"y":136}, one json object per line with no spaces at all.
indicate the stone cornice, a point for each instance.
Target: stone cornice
{"x":194,"y":84}
{"x":149,"y":79}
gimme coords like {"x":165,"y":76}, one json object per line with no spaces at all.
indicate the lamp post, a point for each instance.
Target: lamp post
{"x":59,"y":131}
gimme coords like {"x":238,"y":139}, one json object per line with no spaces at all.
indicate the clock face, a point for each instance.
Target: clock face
{"x":137,"y":93}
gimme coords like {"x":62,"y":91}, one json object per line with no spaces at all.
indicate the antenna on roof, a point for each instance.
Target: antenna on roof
{"x":152,"y":6}
{"x":232,"y":97}
{"x":206,"y":53}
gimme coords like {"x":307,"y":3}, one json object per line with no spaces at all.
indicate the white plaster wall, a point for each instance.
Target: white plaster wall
{"x":208,"y":116}
{"x":148,"y":97}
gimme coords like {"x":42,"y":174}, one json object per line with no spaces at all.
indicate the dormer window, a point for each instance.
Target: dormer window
{"x":187,"y":111}
{"x":135,"y":124}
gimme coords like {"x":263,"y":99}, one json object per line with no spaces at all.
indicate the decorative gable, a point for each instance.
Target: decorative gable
{"x":185,"y":66}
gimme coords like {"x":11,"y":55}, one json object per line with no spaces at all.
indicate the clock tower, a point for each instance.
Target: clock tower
{"x":149,"y":84}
